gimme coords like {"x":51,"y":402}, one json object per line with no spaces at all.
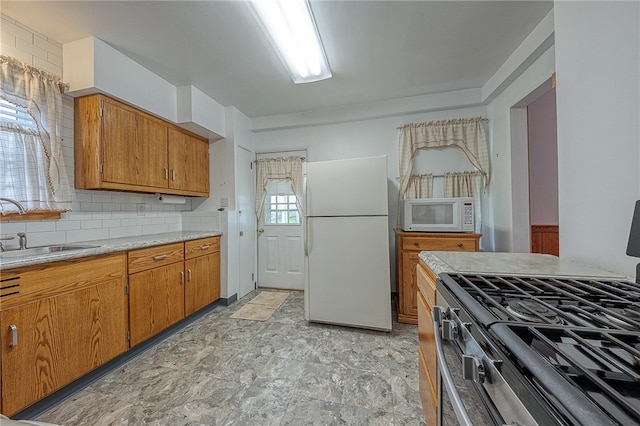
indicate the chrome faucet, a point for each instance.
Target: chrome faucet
{"x":21,"y":209}
{"x":23,"y":240}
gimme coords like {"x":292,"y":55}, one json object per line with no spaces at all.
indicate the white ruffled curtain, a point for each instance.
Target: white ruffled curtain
{"x":420,"y":186}
{"x":32,"y":167}
{"x":289,"y":168}
{"x":466,"y":184}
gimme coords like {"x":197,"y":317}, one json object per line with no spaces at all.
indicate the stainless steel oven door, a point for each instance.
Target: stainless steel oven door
{"x":476,"y":366}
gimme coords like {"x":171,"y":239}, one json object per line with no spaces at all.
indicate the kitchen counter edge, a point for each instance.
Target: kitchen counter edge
{"x":111,"y":245}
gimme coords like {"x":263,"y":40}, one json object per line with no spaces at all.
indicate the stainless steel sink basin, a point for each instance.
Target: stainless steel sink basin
{"x":37,"y":251}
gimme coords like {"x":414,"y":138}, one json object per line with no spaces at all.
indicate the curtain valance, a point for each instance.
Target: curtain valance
{"x":278,"y":168}
{"x":468,"y":134}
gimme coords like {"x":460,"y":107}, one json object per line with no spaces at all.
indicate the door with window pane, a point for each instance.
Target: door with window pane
{"x":280,"y":243}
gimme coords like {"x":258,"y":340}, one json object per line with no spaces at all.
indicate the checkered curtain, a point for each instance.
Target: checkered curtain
{"x":468,"y":134}
{"x":32,"y":167}
{"x":289,"y":168}
{"x":420,"y":186}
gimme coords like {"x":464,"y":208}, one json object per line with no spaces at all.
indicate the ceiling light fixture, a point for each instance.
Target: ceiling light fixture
{"x":292,"y":30}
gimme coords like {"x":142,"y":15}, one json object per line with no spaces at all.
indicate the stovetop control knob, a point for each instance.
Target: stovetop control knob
{"x":472,"y":369}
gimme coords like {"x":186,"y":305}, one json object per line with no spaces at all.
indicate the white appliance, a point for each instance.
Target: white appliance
{"x":438,"y":214}
{"x":347,"y":278}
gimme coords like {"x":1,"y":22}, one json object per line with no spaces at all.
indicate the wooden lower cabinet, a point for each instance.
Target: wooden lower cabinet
{"x":408,"y":247}
{"x":156,"y":290}
{"x":202,"y":265}
{"x":78,"y":323}
{"x":426,"y":294}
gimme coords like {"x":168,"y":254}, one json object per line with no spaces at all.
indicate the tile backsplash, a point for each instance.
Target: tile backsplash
{"x":95,"y":214}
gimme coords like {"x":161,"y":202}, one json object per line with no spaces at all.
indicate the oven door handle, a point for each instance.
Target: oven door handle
{"x":456,"y":401}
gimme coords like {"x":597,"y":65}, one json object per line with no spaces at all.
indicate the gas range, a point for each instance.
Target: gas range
{"x":568,"y":349}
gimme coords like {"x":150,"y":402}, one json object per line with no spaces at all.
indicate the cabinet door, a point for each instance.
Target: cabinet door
{"x":188,"y":163}
{"x":156,"y":300}
{"x":59,"y":339}
{"x":408,"y":297}
{"x":134,"y":147}
{"x":203,"y":282}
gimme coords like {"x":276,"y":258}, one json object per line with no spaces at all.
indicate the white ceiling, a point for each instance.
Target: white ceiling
{"x":377,"y":50}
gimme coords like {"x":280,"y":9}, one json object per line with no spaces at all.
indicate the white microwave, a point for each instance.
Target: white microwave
{"x":438,"y":215}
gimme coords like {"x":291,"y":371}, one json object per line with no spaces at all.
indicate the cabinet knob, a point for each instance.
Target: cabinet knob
{"x":460,"y":245}
{"x":416,"y":244}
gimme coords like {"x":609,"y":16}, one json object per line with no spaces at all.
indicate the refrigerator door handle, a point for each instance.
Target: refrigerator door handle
{"x":304,"y":217}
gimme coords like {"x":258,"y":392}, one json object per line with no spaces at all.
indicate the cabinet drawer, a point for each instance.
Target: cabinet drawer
{"x":195,"y":248}
{"x":428,"y":393}
{"x":439,"y":244}
{"x":24,"y":285}
{"x":426,"y":338}
{"x":152,"y":257}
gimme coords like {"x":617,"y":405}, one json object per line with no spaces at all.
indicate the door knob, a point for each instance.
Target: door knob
{"x":260,"y":230}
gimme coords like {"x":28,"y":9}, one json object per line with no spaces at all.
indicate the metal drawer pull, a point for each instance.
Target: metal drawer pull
{"x":447,"y":380}
{"x":189,"y":274}
{"x":173,"y":173}
{"x":205,"y":247}
{"x":160,"y":257}
{"x":181,"y":277}
{"x":14,"y":336}
{"x":166,"y":174}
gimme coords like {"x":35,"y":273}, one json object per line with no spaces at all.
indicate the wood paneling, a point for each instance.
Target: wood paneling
{"x":188,"y":162}
{"x":545,"y":239}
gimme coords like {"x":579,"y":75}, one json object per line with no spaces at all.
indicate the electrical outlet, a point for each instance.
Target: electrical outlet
{"x":140,"y":209}
{"x":224,"y":202}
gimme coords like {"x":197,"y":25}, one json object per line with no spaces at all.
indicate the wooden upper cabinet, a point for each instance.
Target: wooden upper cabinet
{"x":119,"y":147}
{"x":188,"y":162}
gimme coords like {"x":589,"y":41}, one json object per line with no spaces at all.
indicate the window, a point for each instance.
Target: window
{"x":281,"y":209}
{"x":32,"y":168}
{"x":13,"y":114}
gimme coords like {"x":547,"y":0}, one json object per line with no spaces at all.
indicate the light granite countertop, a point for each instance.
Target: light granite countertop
{"x":106,"y":246}
{"x":530,"y":264}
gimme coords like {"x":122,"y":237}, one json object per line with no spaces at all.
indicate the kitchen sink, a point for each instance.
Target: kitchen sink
{"x":38,"y":251}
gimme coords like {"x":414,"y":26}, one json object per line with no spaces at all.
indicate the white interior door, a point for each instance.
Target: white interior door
{"x":246,"y":222}
{"x":280,"y":239}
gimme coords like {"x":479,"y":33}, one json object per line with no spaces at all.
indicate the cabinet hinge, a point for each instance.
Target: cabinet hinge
{"x":100,"y":167}
{"x":251,"y":276}
{"x":127,"y":335}
{"x":251,"y":165}
{"x":126,"y":289}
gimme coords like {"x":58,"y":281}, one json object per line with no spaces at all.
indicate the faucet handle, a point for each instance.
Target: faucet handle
{"x":20,"y":234}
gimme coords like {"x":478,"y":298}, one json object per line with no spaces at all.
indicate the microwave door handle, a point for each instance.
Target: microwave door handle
{"x":447,"y":379}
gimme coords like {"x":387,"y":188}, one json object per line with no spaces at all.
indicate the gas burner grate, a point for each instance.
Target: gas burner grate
{"x":604,"y":363}
{"x":564,"y":301}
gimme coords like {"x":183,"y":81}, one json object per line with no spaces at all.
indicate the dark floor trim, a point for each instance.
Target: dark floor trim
{"x":79,"y":384}
{"x":229,"y":300}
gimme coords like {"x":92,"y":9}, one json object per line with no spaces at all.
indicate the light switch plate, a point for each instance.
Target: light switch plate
{"x":224,"y":202}
{"x":140,"y":209}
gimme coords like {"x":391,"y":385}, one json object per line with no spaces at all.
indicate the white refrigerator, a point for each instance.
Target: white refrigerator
{"x":347,"y":280}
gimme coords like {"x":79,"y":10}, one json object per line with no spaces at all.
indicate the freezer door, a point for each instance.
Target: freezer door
{"x":348,"y":280}
{"x":353,"y":187}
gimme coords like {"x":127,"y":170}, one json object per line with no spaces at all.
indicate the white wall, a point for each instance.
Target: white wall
{"x":543,"y":160}
{"x":508,"y":191}
{"x":370,"y":138}
{"x":598,"y":102}
{"x":95,"y":214}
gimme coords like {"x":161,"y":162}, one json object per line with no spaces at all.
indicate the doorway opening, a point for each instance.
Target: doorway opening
{"x":534,"y":172}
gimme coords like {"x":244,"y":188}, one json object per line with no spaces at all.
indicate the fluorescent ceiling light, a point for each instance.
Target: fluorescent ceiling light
{"x":293,"y":32}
